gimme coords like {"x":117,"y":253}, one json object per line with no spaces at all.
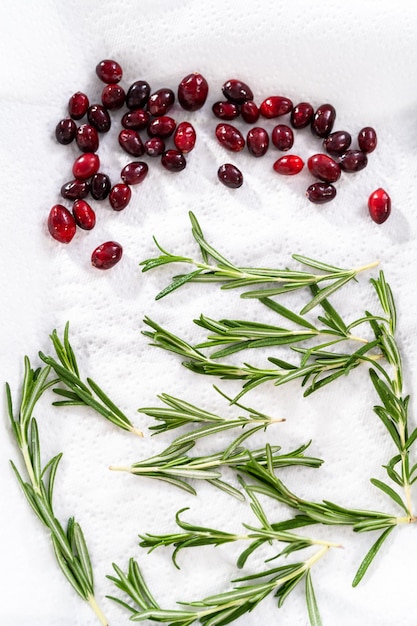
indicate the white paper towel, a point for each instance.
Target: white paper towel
{"x":360,"y":57}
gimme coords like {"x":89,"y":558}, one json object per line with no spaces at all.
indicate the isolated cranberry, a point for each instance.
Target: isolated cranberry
{"x":230,"y":176}
{"x":100,"y":186}
{"x":162,"y":126}
{"x":257,"y":141}
{"x":87,"y":138}
{"x":230,"y":137}
{"x":99,"y":117}
{"x":65,"y":131}
{"x":249,"y":112}
{"x":225,"y":110}
{"x":160,"y":102}
{"x":78,"y":105}
{"x":61,"y":224}
{"x":353,"y":161}
{"x":337,"y":143}
{"x":323,"y":120}
{"x":131,"y":142}
{"x":320,"y":193}
{"x":119,"y":196}
{"x":301,"y":115}
{"x":192,"y":92}
{"x":324,"y":167}
{"x":154,"y":147}
{"x":379,"y":206}
{"x":138,"y":94}
{"x":107,"y":255}
{"x":185,"y":137}
{"x":109,"y":71}
{"x":282,"y":137}
{"x":75,"y":189}
{"x":86,"y":165}
{"x":367,"y":139}
{"x":289,"y":165}
{"x":134,"y":173}
{"x":113,"y":97}
{"x":84,"y":215}
{"x":137,"y":119}
{"x":274,"y":106}
{"x":237,"y":91}
{"x":173,"y":160}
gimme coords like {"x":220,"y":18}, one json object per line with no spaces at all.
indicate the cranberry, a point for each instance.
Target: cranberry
{"x":367,"y":139}
{"x":61,"y":224}
{"x":119,"y":196}
{"x":324,"y":167}
{"x":137,"y":119}
{"x":65,"y":131}
{"x":84,"y":215}
{"x":249,"y":111}
{"x":131,"y":142}
{"x":162,"y":126}
{"x":87,"y":138}
{"x":353,"y":161}
{"x":173,"y":160}
{"x":185,"y":137}
{"x":113,"y":97}
{"x":99,"y":117}
{"x":78,"y":105}
{"x":154,"y":147}
{"x":138,"y":94}
{"x":109,"y":71}
{"x":289,"y":165}
{"x":160,"y":102}
{"x":320,"y":193}
{"x":86,"y":165}
{"x":226,"y":110}
{"x":323,"y":120}
{"x":237,"y":91}
{"x":75,"y":189}
{"x":301,"y":115}
{"x":282,"y":137}
{"x":192,"y":92}
{"x":337,"y":143}
{"x":257,"y":141}
{"x":230,"y":137}
{"x":107,"y":255}
{"x":230,"y":176}
{"x":274,"y":106}
{"x":134,"y":173}
{"x":379,"y":205}
{"x":100,"y":186}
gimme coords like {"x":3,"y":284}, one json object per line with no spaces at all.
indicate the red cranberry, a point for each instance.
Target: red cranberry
{"x":87,"y":138}
{"x":379,"y":205}
{"x":274,"y":106}
{"x":100,"y":186}
{"x":323,"y":120}
{"x":337,"y":143}
{"x":138,"y":94}
{"x":162,"y":126}
{"x":320,"y":193}
{"x":324,"y":168}
{"x":75,"y":189}
{"x":282,"y":137}
{"x":192,"y":92}
{"x":113,"y":97}
{"x":109,"y":71}
{"x":249,"y":111}
{"x":230,"y":137}
{"x":86,"y":165}
{"x":301,"y":115}
{"x":84,"y":215}
{"x":257,"y":141}
{"x":173,"y":160}
{"x":99,"y":117}
{"x":160,"y":102}
{"x":137,"y":119}
{"x":107,"y":255}
{"x":185,"y":137}
{"x":367,"y":139}
{"x":119,"y":196}
{"x":78,"y":105}
{"x":154,"y":147}
{"x":134,"y":173}
{"x":226,"y":110}
{"x":289,"y":165}
{"x":65,"y":131}
{"x":131,"y":142}
{"x":353,"y":161}
{"x":61,"y":224}
{"x":230,"y":176}
{"x":237,"y":91}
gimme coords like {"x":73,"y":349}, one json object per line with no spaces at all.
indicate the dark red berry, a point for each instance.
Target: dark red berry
{"x":109,"y":71}
{"x":320,"y":193}
{"x":154,"y":147}
{"x":257,"y":141}
{"x":249,"y":111}
{"x":119,"y":196}
{"x":323,"y":120}
{"x":160,"y":102}
{"x":237,"y":91}
{"x":99,"y":117}
{"x":289,"y":165}
{"x":84,"y":215}
{"x":274,"y":106}
{"x":379,"y":206}
{"x":138,"y":94}
{"x":225,"y":110}
{"x":137,"y":119}
{"x":107,"y":255}
{"x":100,"y":186}
{"x":86,"y":165}
{"x":301,"y":115}
{"x":113,"y":97}
{"x":337,"y":143}
{"x":367,"y":139}
{"x":324,"y":167}
{"x":230,"y":137}
{"x":75,"y":189}
{"x":353,"y":161}
{"x":78,"y":105}
{"x":282,"y":137}
{"x":162,"y":126}
{"x":65,"y":131}
{"x":192,"y":92}
{"x":134,"y":173}
{"x":185,"y":137}
{"x":173,"y":160}
{"x":131,"y":142}
{"x":61,"y":224}
{"x":230,"y":176}
{"x":87,"y":138}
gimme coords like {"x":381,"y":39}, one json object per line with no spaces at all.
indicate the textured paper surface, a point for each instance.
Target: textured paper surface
{"x":359,"y":56}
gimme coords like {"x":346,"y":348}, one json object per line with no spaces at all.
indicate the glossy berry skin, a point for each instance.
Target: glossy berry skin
{"x":367,"y":139}
{"x":78,"y":105}
{"x":99,"y":117}
{"x":138,"y":94}
{"x":119,"y":196}
{"x":249,"y":112}
{"x":230,"y":137}
{"x":84,"y":215}
{"x":160,"y":102}
{"x":289,"y":165}
{"x":154,"y":147}
{"x":237,"y":91}
{"x":274,"y":106}
{"x":257,"y":141}
{"x":75,"y":189}
{"x":138,"y":119}
{"x":162,"y":126}
{"x":65,"y":131}
{"x":353,"y":161}
{"x":379,"y":206}
{"x":113,"y":97}
{"x":323,"y":120}
{"x":131,"y":142}
{"x":320,"y":193}
{"x":134,"y":173}
{"x":109,"y":71}
{"x":192,"y":92}
{"x":282,"y":137}
{"x":87,"y":138}
{"x":185,"y":137}
{"x":230,"y":176}
{"x":173,"y":160}
{"x":100,"y":186}
{"x":301,"y":115}
{"x":61,"y":224}
{"x":337,"y":143}
{"x":225,"y":110}
{"x":106,"y":255}
{"x":324,"y":167}
{"x":85,"y":166}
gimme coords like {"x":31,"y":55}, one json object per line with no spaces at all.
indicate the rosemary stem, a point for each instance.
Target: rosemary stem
{"x":366,"y":267}
{"x":136,"y":431}
{"x":29,"y":468}
{"x":93,"y":603}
